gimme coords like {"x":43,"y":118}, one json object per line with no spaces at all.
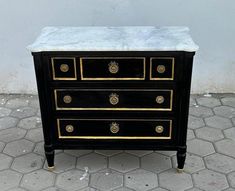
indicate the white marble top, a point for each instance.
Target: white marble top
{"x":133,"y":38}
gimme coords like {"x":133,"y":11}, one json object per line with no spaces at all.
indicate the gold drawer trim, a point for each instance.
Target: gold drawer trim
{"x":62,"y":78}
{"x":116,"y":109}
{"x":84,"y":78}
{"x":172,"y":68}
{"x":114,"y":137}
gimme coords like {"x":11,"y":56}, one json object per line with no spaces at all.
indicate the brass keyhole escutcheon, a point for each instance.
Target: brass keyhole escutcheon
{"x":64,"y":68}
{"x":160,"y":99}
{"x":69,"y":128}
{"x":114,"y":127}
{"x":159,"y":129}
{"x":113,"y":67}
{"x":67,"y":99}
{"x":161,"y":69}
{"x":114,"y":98}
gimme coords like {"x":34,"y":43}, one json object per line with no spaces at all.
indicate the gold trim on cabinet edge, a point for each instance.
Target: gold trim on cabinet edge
{"x":113,"y":137}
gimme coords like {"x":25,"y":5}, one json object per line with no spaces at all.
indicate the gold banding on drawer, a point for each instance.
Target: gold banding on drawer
{"x":114,"y":99}
{"x":162,"y":68}
{"x":112,"y":68}
{"x":114,"y":128}
{"x":63,"y":68}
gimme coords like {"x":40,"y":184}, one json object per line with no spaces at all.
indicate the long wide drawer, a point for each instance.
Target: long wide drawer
{"x":114,"y":128}
{"x":114,"y":99}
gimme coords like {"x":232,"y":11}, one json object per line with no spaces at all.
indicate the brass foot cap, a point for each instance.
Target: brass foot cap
{"x":180,"y":170}
{"x":51,"y":168}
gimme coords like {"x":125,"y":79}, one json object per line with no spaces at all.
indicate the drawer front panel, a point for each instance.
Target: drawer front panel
{"x":63,"y":68}
{"x":112,"y":68}
{"x":162,"y":68}
{"x":116,"y":99}
{"x":114,"y":129}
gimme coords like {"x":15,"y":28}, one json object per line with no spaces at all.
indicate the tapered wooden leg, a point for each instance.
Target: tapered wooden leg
{"x":181,"y":156}
{"x":50,"y":155}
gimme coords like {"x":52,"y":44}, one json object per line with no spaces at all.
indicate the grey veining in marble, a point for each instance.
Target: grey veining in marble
{"x":133,"y":38}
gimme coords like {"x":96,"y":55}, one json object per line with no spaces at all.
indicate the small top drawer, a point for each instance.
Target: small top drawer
{"x":112,"y":68}
{"x":162,"y":68}
{"x":64,"y":68}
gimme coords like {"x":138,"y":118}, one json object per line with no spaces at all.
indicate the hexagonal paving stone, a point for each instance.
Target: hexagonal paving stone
{"x":208,"y":101}
{"x":93,"y":161}
{"x":200,"y":147}
{"x":229,"y":101}
{"x":2,"y":145}
{"x":230,"y":133}
{"x":233,"y":120}
{"x":172,"y":180}
{"x":210,"y":180}
{"x":155,"y":162}
{"x":141,"y":180}
{"x":38,"y":180}
{"x":108,"y":153}
{"x":226,"y":147}
{"x":53,"y":188}
{"x":17,"y":189}
{"x":123,"y":189}
{"x":9,"y":179}
{"x":16,"y":103}
{"x":229,"y":189}
{"x":30,"y":123}
{"x":193,"y":163}
{"x":231,"y":179}
{"x":138,"y":153}
{"x":8,"y":122}
{"x":12,"y":134}
{"x":194,"y":189}
{"x":209,"y":133}
{"x":34,"y":102}
{"x":63,"y":162}
{"x":88,"y":189}
{"x":18,"y":147}
{"x":4,"y":112}
{"x":218,"y":122}
{"x":195,"y":122}
{"x":5,"y":161}
{"x":124,"y":162}
{"x":35,"y":135}
{"x":106,"y":180}
{"x":220,"y":163}
{"x":190,"y":134}
{"x":159,"y":189}
{"x":167,"y":153}
{"x":23,"y":112}
{"x":72,"y":180}
{"x":225,"y":111}
{"x":200,"y":111}
{"x":77,"y":153}
{"x":27,"y":163}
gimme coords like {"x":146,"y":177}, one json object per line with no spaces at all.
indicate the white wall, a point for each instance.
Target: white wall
{"x":211,"y":22}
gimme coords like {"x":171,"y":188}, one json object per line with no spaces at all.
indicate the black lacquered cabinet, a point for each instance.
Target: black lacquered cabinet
{"x":114,"y":99}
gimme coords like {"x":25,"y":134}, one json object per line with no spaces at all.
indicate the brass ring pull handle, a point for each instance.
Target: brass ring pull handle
{"x":69,"y":128}
{"x":64,"y":67}
{"x":159,"y":129}
{"x":161,"y":69}
{"x":67,"y":99}
{"x":114,"y":98}
{"x":160,"y":99}
{"x":113,"y":67}
{"x":114,"y":127}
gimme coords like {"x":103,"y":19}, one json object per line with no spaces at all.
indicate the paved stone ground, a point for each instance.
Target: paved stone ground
{"x":210,"y":163}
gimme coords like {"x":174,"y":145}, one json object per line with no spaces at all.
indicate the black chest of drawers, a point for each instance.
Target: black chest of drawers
{"x":114,"y":100}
